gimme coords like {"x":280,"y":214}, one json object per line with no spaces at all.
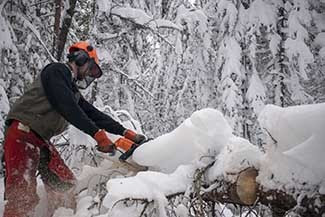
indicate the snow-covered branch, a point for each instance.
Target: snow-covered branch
{"x":34,"y":31}
{"x":142,"y":20}
{"x":133,"y":84}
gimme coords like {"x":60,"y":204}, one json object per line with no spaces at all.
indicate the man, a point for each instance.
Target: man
{"x":42,"y":112}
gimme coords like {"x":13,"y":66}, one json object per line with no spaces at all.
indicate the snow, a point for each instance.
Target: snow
{"x":192,"y":19}
{"x":293,"y":125}
{"x":297,"y":35}
{"x":296,"y":30}
{"x":274,"y":42}
{"x":2,"y":203}
{"x":194,"y":24}
{"x":195,"y":137}
{"x":292,"y":157}
{"x":320,"y":40}
{"x":259,"y":13}
{"x":231,"y":52}
{"x":4,"y":102}
{"x":322,"y":52}
{"x":136,"y":15}
{"x":4,"y":108}
{"x":140,"y":17}
{"x":104,"y":6}
{"x":302,"y":52}
{"x":230,"y":16}
{"x":36,"y":33}
{"x":161,"y":23}
{"x":293,"y":162}
{"x":279,"y":171}
{"x":302,"y":11}
{"x":5,"y":39}
{"x":237,"y":155}
{"x":308,"y":153}
{"x":256,"y":93}
{"x":150,"y":185}
{"x":319,"y":20}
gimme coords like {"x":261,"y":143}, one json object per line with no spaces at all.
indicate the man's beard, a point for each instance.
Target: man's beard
{"x":79,"y":76}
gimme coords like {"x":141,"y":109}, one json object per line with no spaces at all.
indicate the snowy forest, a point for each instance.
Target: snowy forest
{"x":165,"y":62}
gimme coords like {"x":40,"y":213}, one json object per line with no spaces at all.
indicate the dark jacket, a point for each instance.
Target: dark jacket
{"x":53,"y":100}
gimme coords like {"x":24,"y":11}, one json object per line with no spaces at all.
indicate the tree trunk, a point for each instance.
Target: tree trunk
{"x":57,"y":19}
{"x":246,"y":191}
{"x":282,"y":25}
{"x":65,"y":28}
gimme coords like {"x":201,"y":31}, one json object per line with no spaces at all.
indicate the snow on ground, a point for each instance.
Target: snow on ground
{"x":294,"y":161}
{"x":150,"y":185}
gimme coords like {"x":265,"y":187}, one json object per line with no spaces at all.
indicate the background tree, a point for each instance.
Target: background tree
{"x":175,"y":57}
{"x":164,"y":59}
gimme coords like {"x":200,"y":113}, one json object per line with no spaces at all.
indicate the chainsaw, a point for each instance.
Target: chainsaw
{"x":127,"y":147}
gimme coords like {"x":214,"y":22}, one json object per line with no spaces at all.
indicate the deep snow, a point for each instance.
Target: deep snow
{"x":172,"y":158}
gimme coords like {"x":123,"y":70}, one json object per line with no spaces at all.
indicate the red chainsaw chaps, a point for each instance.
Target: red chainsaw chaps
{"x":22,"y":156}
{"x":59,"y":168}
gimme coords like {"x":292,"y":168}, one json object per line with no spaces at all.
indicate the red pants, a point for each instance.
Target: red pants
{"x":25,"y":153}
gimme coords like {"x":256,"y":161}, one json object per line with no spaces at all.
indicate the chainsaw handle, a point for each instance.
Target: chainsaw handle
{"x":130,"y":151}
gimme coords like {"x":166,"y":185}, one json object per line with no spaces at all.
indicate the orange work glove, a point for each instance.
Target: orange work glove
{"x":124,"y":144}
{"x":136,"y":138}
{"x":104,"y":143}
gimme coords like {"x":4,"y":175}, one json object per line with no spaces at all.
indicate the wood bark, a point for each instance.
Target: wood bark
{"x":247,"y":192}
{"x":57,"y":19}
{"x":65,"y":28}
{"x":282,"y":61}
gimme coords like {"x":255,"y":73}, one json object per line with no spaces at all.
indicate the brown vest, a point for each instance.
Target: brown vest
{"x":34,"y":110}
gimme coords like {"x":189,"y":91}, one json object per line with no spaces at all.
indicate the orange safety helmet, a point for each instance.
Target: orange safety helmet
{"x":83,"y":45}
{"x":81,"y":58}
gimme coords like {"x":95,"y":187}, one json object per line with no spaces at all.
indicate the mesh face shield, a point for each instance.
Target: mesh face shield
{"x":94,"y":72}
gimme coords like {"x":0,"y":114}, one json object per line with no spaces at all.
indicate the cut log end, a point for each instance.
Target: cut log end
{"x":246,"y":186}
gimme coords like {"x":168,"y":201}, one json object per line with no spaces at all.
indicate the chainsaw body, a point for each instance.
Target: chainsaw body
{"x":127,"y":147}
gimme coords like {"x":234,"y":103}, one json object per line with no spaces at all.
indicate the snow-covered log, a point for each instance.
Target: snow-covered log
{"x":283,"y":176}
{"x":289,"y":176}
{"x":247,"y":191}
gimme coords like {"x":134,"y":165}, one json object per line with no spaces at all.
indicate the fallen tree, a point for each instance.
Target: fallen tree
{"x":246,"y":191}
{"x":283,"y":178}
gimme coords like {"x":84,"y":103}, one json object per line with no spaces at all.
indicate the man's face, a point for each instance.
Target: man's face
{"x":86,"y":73}
{"x":83,"y":71}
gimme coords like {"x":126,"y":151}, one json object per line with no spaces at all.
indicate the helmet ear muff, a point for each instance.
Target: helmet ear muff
{"x":80,"y":57}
